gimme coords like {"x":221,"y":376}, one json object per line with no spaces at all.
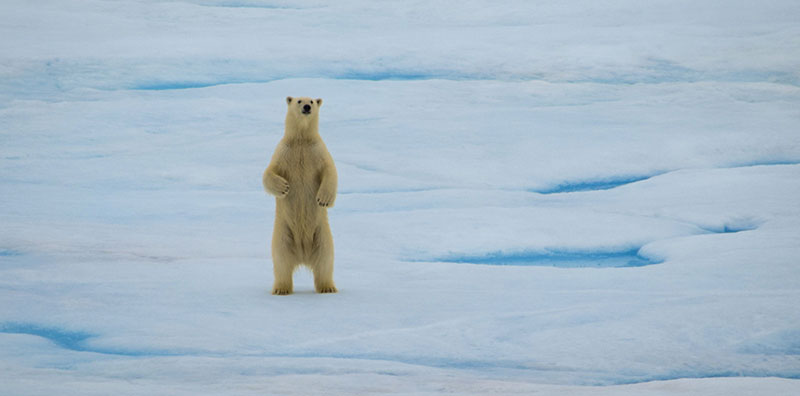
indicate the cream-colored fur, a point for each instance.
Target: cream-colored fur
{"x":302,"y":177}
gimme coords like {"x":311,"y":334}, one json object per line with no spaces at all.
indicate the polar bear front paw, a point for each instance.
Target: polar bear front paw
{"x":325,"y":199}
{"x":281,"y":187}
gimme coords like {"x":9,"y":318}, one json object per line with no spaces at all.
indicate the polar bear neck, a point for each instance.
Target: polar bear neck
{"x":299,"y":127}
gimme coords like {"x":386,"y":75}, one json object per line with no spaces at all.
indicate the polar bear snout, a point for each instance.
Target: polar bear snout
{"x":304,"y":106}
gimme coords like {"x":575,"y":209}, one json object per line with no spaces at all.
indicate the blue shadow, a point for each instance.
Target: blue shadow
{"x":9,"y":253}
{"x":73,"y":340}
{"x":559,"y":258}
{"x":386,"y":75}
{"x":593,"y":185}
{"x":170,"y":85}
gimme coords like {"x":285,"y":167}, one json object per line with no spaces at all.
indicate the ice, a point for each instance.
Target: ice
{"x":558,"y":258}
{"x":556,"y":197}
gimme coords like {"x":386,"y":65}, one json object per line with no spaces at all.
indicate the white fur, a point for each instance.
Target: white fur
{"x":302,"y":177}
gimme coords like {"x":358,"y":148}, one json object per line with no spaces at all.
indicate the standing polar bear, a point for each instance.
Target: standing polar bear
{"x":302,"y":177}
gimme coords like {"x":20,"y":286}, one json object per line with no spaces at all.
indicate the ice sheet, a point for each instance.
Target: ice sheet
{"x":635,"y":167}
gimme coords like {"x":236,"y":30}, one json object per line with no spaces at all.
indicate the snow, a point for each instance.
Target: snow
{"x":556,"y":197}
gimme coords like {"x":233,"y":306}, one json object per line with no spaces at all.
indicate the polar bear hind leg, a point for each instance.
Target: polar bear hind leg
{"x":321,"y":260}
{"x":284,"y":261}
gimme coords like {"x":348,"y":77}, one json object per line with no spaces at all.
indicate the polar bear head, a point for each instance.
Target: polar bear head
{"x":303,"y":113}
{"x":304,"y":106}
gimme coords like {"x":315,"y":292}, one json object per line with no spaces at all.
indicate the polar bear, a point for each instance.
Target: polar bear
{"x":302,"y":177}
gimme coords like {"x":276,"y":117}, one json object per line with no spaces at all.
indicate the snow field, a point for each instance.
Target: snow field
{"x":573,"y":198}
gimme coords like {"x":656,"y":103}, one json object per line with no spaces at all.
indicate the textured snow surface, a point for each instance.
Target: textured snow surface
{"x":562,"y":197}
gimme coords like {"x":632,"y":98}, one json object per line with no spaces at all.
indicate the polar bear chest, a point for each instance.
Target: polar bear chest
{"x":302,"y":165}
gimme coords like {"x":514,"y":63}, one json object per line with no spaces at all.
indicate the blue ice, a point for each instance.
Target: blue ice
{"x":593,"y":185}
{"x":559,"y":258}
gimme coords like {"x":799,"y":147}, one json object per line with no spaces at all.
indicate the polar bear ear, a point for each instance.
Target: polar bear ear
{"x":319,"y":102}
{"x":288,"y":100}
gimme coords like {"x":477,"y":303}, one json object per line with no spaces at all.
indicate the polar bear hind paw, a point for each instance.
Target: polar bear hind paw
{"x":281,"y":291}
{"x":327,"y":289}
